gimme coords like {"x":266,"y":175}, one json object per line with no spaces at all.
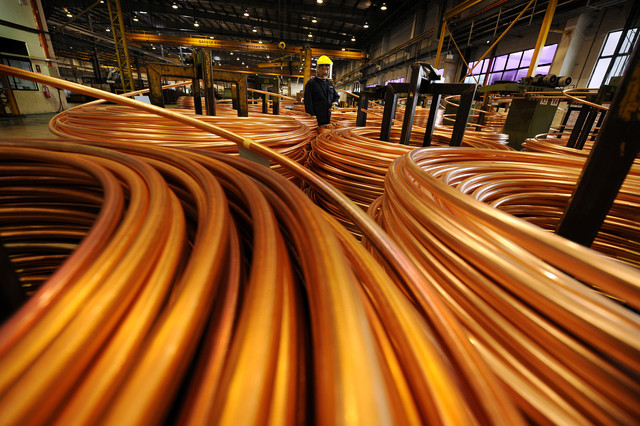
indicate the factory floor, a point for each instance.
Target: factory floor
{"x":33,"y":126}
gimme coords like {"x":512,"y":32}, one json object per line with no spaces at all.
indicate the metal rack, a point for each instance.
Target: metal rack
{"x":423,"y":81}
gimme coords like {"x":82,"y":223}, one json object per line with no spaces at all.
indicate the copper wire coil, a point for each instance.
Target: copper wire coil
{"x":356,"y":161}
{"x":112,"y":332}
{"x":284,"y":134}
{"x":524,"y":284}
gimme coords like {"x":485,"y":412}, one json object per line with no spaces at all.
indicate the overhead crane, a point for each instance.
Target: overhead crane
{"x":248,"y":46}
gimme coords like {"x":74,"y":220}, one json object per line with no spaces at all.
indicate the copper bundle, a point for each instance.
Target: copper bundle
{"x":120,"y":124}
{"x":556,"y":143}
{"x":356,"y":161}
{"x":209,"y":290}
{"x":546,"y":313}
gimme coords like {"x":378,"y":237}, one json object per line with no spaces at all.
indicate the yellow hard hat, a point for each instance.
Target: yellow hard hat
{"x":324,"y":60}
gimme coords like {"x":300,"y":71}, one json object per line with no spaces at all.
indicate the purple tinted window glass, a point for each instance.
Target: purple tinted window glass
{"x":485,"y":65}
{"x":521,"y":73}
{"x":610,"y":44}
{"x":514,"y":60}
{"x":598,"y":72}
{"x":526,"y":58}
{"x":493,"y":77}
{"x":547,"y":54}
{"x":480,"y":78}
{"x":499,"y":63}
{"x":544,"y":70}
{"x":509,"y":75}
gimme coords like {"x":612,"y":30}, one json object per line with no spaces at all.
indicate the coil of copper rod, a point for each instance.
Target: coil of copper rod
{"x":523,"y":293}
{"x":287,"y":135}
{"x":356,"y":161}
{"x":109,"y":337}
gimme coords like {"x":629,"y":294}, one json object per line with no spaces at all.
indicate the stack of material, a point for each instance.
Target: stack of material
{"x":556,"y":143}
{"x":356,"y":161}
{"x":548,"y":315}
{"x":202,"y":289}
{"x":123,"y":124}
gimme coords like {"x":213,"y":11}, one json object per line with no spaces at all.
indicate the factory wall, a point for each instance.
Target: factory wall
{"x":22,"y":13}
{"x":579,"y":42}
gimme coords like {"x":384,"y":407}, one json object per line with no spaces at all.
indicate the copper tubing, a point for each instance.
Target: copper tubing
{"x":114,"y":362}
{"x":504,"y":275}
{"x":288,"y":136}
{"x":356,"y":161}
{"x":482,"y":391}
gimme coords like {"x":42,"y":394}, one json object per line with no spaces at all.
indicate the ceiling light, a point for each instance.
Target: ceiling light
{"x":135,"y":18}
{"x":174,"y":5}
{"x":231,"y":53}
{"x":314,"y":20}
{"x":353,"y":38}
{"x":108,"y":29}
{"x":488,"y":41}
{"x":366,"y":25}
{"x":243,"y":63}
{"x":237,"y":58}
{"x":343,"y":49}
{"x":211,"y":37}
{"x":319,"y":1}
{"x":384,"y":6}
{"x":153,"y":47}
{"x":255,"y":30}
{"x":246,"y":12}
{"x":69,"y":15}
{"x":268,"y":56}
{"x":260,"y":41}
{"x":310,"y":35}
{"x":196,"y":23}
{"x":247,"y":66}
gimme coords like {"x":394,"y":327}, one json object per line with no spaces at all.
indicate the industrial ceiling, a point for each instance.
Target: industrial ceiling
{"x":319,"y":24}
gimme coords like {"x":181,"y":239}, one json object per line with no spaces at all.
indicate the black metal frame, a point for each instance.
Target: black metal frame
{"x":423,"y":82}
{"x":611,"y":158}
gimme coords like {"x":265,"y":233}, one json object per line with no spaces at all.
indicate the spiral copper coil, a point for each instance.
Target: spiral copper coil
{"x":556,"y":143}
{"x":120,"y":124}
{"x":356,"y":161}
{"x":198,"y":271}
{"x":567,"y":352}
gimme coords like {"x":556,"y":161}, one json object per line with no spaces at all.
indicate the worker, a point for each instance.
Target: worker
{"x":319,"y":94}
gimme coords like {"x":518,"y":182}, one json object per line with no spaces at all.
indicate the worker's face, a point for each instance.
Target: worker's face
{"x":322,"y":71}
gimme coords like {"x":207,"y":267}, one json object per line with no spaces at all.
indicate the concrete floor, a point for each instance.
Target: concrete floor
{"x":28,"y":127}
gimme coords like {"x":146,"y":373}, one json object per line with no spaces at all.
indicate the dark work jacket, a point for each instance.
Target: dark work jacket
{"x":319,"y":94}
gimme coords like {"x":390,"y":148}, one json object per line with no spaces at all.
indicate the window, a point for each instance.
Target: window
{"x":607,"y":55}
{"x":14,"y":53}
{"x":512,"y":66}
